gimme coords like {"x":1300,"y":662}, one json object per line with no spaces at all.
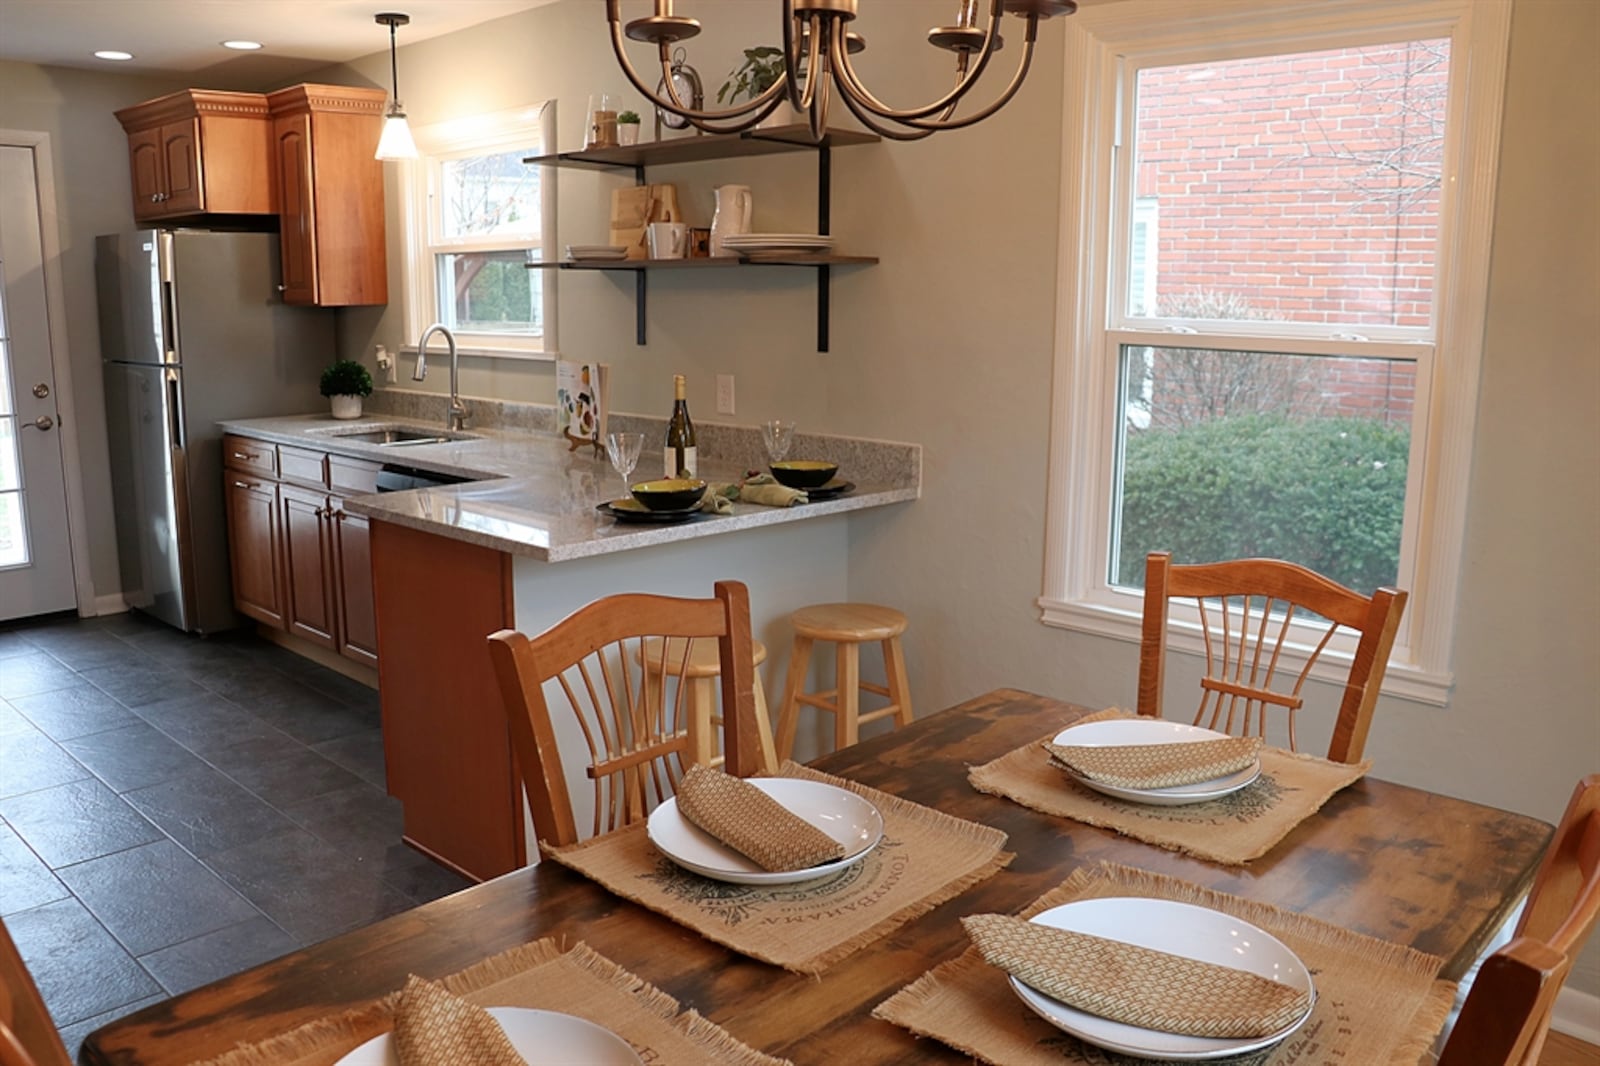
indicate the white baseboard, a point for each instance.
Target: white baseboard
{"x":1577,"y":1014}
{"x":112,"y":604}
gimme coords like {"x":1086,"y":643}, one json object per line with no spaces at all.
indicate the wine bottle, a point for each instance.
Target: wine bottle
{"x":678,"y":458}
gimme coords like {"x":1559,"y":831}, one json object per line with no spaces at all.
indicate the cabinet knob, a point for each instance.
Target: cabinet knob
{"x":155,"y":198}
{"x":283,"y":288}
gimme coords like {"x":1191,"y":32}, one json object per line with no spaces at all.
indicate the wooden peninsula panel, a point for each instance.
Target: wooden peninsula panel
{"x":445,"y":739}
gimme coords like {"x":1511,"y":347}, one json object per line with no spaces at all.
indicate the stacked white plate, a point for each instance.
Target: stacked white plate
{"x":1181,"y":929}
{"x":596,"y":251}
{"x":1142,"y":730}
{"x":779,"y":242}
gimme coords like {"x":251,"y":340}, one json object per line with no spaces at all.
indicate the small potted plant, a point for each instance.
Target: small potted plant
{"x":762,"y":67}
{"x":345,"y":383}
{"x":628,"y":127}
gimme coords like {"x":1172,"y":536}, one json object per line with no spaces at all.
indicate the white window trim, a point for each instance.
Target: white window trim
{"x":1084,"y":399}
{"x":476,"y":132}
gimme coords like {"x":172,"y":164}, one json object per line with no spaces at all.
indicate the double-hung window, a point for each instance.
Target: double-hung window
{"x":477,"y":215}
{"x":1275,"y":238}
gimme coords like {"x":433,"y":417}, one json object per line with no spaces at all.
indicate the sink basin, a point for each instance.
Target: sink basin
{"x":390,"y":436}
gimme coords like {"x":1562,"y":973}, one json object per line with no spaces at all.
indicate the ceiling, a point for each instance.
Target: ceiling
{"x":183,"y":37}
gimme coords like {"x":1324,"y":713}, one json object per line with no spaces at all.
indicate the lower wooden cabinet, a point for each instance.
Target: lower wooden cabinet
{"x":358,"y":619}
{"x":255,"y":532}
{"x":308,"y":558}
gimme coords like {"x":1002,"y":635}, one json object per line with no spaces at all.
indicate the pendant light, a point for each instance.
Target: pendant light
{"x":396,"y":142}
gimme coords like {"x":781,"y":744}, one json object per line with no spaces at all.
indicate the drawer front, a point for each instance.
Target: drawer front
{"x":353,"y":477}
{"x":303,"y":466}
{"x":250,"y":456}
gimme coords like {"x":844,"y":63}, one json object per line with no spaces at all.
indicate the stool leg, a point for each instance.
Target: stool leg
{"x":846,"y":723}
{"x":794,"y":684}
{"x":702,"y":738}
{"x":894,"y":665}
{"x":769,"y":753}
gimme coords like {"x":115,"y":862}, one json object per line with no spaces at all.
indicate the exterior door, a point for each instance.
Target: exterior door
{"x":35,"y":549}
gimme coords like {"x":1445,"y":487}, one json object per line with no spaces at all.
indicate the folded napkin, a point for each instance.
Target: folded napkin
{"x":753,"y":823}
{"x":1157,"y":765}
{"x":1135,"y":985}
{"x":434,"y":1028}
{"x":765,"y":490}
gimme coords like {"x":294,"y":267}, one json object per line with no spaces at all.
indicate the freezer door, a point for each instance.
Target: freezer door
{"x":149,"y":481}
{"x":135,"y":323}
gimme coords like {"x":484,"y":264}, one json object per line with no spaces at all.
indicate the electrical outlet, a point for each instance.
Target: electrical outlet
{"x":724,"y":394}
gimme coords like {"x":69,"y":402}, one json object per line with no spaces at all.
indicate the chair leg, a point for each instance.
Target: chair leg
{"x":769,"y":753}
{"x":847,"y":715}
{"x":794,"y":685}
{"x":894,"y":665}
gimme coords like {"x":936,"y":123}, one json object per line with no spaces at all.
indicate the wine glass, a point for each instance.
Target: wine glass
{"x":777,"y":435}
{"x":623,"y":450}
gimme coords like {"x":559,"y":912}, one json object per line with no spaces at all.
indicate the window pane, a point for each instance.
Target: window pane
{"x":1291,"y":188}
{"x":490,"y":292}
{"x":1232,"y":455}
{"x":489,"y":195}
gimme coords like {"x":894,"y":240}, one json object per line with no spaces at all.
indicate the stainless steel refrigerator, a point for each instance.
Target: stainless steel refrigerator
{"x":192,"y":330}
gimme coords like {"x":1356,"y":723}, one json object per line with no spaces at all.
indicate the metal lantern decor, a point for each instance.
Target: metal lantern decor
{"x":812,"y":74}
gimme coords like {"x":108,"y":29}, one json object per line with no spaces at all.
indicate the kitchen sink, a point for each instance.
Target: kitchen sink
{"x":391,"y":436}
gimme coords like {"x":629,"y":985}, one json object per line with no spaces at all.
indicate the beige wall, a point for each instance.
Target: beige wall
{"x":948,"y":342}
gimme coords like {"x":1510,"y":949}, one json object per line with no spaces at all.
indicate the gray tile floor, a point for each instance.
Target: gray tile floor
{"x":176,"y":809}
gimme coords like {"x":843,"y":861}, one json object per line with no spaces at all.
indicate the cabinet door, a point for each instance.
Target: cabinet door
{"x":306,"y":558}
{"x":144,"y":161}
{"x":358,"y":620}
{"x":180,"y":158}
{"x":254,"y":548}
{"x":291,"y":148}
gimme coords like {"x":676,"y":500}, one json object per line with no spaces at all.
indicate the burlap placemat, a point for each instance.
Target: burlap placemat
{"x":925,"y":858}
{"x":1377,"y":1002}
{"x":1232,"y":830}
{"x":543,"y":975}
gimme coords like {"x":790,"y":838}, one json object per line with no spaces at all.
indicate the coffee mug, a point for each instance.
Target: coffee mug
{"x":669,"y":240}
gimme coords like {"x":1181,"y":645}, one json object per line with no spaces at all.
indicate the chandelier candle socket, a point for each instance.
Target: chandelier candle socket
{"x":815,"y":56}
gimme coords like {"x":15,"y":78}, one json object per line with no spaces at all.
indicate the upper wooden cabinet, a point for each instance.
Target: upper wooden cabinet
{"x":330,"y":194}
{"x":200,"y":152}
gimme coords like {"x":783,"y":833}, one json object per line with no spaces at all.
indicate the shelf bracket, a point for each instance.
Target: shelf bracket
{"x":824,"y":211}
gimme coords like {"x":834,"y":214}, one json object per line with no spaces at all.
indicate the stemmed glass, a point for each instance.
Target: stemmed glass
{"x":623,"y":450}
{"x":777,"y":435}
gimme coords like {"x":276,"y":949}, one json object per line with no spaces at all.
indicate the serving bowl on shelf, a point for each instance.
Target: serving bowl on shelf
{"x":670,"y":494}
{"x":804,"y":473}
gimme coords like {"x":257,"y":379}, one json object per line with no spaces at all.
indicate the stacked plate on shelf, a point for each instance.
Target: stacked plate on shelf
{"x":596,"y":251}
{"x":806,"y":243}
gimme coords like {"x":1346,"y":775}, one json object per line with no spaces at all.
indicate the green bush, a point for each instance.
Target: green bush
{"x":346,"y":377}
{"x":1328,"y":494}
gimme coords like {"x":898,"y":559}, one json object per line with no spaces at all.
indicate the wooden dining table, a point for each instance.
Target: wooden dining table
{"x":1428,"y":871}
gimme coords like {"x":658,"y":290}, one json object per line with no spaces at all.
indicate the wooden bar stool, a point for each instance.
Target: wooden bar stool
{"x":701,"y":673}
{"x":848,"y":625}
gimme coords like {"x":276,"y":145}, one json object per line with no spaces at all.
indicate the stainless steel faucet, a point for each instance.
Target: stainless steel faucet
{"x":458,"y":410}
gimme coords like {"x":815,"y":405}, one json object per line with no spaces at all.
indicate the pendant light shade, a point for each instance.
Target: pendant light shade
{"x":396,"y":142}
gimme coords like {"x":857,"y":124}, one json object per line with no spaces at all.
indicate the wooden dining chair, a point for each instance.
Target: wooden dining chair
{"x":1246,"y":609}
{"x":27,"y":1034}
{"x":1507,"y":1013}
{"x":638,"y":741}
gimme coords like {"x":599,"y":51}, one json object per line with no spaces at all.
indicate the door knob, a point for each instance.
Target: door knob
{"x":41,"y":390}
{"x":43,"y":422}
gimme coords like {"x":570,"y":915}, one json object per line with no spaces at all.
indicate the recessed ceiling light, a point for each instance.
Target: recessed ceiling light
{"x":243,"y":46}
{"x":113,"y":54}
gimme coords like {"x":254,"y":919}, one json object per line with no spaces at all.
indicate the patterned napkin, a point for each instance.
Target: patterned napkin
{"x":762,"y":489}
{"x":434,"y":1028}
{"x":1157,"y":765}
{"x":753,"y":823}
{"x":1136,"y":985}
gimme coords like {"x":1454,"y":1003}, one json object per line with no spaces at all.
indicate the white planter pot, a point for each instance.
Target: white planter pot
{"x":627,"y":133}
{"x":346,"y":406}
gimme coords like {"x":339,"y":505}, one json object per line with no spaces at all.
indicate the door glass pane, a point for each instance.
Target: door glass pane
{"x":13,"y":531}
{"x":490,"y":292}
{"x":489,"y":195}
{"x":10,"y":472}
{"x":1234,"y":455}
{"x":1290,"y":188}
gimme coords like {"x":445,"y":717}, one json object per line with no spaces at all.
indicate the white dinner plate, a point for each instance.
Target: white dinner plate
{"x":542,"y":1037}
{"x":1177,"y":929}
{"x":1123,"y":732}
{"x":840,"y":813}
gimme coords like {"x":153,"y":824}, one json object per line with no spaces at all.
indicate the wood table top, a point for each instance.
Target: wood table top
{"x":1424,"y":870}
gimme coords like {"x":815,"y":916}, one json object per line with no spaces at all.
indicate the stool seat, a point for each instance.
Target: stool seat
{"x":703,"y":665}
{"x":847,"y":626}
{"x":705,"y":660}
{"x":848,"y":621}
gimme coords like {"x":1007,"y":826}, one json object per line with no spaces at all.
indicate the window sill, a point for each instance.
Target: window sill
{"x":479,"y":351}
{"x":1403,"y":680}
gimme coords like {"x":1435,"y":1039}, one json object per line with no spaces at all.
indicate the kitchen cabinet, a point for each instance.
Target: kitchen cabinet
{"x":330,"y":194}
{"x":199,"y":152}
{"x":638,"y":158}
{"x":301,"y":563}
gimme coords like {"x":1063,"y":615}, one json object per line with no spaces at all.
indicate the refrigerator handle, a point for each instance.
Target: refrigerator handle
{"x":173,"y":405}
{"x":169,"y":311}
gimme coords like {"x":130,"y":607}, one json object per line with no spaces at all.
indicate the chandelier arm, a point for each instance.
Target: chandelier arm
{"x":876,"y":125}
{"x":738,"y":127}
{"x":947,"y":123}
{"x":852,"y":86}
{"x":672,"y":105}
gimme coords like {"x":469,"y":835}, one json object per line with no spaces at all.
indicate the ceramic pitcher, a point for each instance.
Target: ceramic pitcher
{"x":732,"y":216}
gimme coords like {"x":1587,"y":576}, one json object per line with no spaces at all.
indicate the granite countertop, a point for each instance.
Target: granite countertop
{"x":536,"y":498}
